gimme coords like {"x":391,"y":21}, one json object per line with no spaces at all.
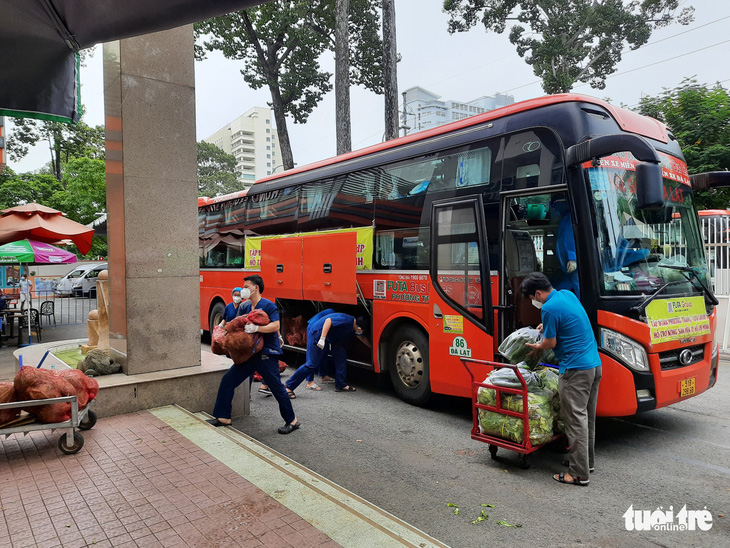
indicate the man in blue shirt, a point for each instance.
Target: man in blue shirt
{"x":567,"y":330}
{"x":334,"y":328}
{"x":265,"y":362}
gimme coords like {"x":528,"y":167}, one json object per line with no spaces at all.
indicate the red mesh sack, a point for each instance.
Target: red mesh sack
{"x":41,"y":384}
{"x":258,"y":317}
{"x":238,"y":344}
{"x":7,"y":395}
{"x":241,"y":346}
{"x":86,"y":387}
{"x":296,"y":332}
{"x":217,"y":341}
{"x":282,"y":366}
{"x":25,"y":378}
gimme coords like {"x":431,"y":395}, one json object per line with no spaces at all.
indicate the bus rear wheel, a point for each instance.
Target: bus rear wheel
{"x":408,"y":365}
{"x":216,"y":316}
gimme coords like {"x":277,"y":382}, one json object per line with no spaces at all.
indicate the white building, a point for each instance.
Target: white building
{"x":425,"y":110}
{"x":253,"y":141}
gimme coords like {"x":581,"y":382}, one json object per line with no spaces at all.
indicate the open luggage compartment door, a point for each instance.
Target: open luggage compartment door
{"x":330,"y":264}
{"x":281,"y":266}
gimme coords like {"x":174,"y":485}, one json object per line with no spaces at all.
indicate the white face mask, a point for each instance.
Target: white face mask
{"x":536,"y":304}
{"x":245,"y":293}
{"x":236,"y":300}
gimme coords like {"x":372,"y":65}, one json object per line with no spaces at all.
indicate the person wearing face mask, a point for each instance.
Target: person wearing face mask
{"x":232,"y":308}
{"x":567,"y":329}
{"x":26,"y":286}
{"x":265,"y":362}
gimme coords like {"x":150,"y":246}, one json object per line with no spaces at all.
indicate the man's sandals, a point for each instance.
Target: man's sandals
{"x":573,"y":481}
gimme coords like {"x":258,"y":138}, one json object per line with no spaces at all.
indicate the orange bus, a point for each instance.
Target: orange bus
{"x":430,"y":236}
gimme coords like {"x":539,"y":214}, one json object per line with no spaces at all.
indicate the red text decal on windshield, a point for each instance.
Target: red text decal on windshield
{"x":673,"y":169}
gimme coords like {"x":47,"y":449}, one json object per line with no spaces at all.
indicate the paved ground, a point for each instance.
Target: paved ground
{"x":166,"y":478}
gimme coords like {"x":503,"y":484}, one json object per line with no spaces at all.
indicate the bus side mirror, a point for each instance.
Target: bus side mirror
{"x":649,"y":186}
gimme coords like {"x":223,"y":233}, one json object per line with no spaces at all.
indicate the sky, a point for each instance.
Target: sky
{"x":460,"y":67}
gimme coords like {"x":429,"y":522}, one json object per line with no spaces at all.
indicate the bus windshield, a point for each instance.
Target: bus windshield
{"x":642,"y":250}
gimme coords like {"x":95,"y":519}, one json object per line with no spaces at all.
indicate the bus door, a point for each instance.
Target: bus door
{"x":538,"y":237}
{"x":461,"y":301}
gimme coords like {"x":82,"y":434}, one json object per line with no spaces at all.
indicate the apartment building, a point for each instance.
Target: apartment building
{"x":253,"y":141}
{"x":425,"y":110}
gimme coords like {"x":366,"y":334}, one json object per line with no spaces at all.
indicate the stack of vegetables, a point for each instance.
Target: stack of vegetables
{"x":539,"y":407}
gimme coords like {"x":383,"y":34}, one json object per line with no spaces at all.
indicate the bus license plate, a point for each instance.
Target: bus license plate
{"x":687,"y":387}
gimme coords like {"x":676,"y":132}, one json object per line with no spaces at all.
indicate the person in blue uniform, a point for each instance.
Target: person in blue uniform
{"x":327,"y":334}
{"x":265,"y":362}
{"x":565,"y":248}
{"x":567,"y":330}
{"x":231,"y":310}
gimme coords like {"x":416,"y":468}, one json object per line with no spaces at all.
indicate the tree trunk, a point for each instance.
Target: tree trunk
{"x":390,"y":70}
{"x":342,"y":77}
{"x":277,"y":104}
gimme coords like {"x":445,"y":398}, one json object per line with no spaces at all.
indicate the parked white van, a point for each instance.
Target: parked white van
{"x":65,"y":285}
{"x":85,"y":285}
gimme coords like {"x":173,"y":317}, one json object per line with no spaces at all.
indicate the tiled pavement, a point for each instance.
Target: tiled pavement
{"x":138,"y":481}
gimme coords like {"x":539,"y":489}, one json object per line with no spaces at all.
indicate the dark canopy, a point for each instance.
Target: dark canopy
{"x":39,"y":40}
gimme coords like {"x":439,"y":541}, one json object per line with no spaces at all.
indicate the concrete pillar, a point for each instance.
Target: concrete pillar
{"x":152,"y":201}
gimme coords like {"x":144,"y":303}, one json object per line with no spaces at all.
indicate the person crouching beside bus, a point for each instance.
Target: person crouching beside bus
{"x":335,"y":328}
{"x":265,"y":362}
{"x":567,"y":329}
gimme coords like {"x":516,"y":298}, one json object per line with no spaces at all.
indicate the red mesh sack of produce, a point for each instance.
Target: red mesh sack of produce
{"x":258,"y":317}
{"x":217,"y":341}
{"x":41,"y":384}
{"x":25,"y":378}
{"x":296,"y":332}
{"x":241,"y":345}
{"x":237,"y":324}
{"x":7,"y":395}
{"x":282,"y":366}
{"x":86,"y":387}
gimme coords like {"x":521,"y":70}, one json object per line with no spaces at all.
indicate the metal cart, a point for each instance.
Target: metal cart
{"x":70,"y":441}
{"x":524,"y":448}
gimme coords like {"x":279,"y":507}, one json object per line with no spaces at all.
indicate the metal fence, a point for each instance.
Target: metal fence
{"x":57,"y":310}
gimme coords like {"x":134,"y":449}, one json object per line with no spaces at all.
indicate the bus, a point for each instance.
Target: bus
{"x":430,"y":235}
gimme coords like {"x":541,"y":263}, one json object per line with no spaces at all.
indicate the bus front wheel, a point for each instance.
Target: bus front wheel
{"x":216,"y":316}
{"x":408,"y":365}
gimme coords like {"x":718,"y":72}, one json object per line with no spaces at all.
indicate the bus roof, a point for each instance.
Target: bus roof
{"x":710,"y":212}
{"x":202,"y":201}
{"x":626,"y":119}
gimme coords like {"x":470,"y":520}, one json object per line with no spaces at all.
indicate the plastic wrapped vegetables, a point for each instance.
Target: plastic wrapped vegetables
{"x":539,"y":408}
{"x":514,"y":347}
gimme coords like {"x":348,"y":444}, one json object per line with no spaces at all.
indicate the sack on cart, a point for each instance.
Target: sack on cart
{"x":514,"y":346}
{"x":39,"y":384}
{"x":7,"y":395}
{"x":539,"y":406}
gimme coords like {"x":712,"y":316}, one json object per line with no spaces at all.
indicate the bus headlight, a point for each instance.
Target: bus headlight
{"x":628,"y":350}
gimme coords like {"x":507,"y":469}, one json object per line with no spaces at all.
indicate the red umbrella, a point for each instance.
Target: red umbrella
{"x":44,"y":224}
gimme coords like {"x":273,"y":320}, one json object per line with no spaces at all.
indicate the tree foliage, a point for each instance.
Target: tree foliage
{"x":280,"y":43}
{"x":65,"y":141}
{"x":216,"y":171}
{"x":25,"y":188}
{"x":699,"y":117}
{"x":569,"y":41}
{"x":84,"y":194}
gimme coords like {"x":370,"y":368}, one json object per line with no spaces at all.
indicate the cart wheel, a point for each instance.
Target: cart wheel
{"x":71,"y":449}
{"x":524,"y":461}
{"x":493,"y":451}
{"x":89,"y":422}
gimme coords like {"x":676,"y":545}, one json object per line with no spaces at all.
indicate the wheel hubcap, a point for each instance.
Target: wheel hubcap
{"x":409,"y":364}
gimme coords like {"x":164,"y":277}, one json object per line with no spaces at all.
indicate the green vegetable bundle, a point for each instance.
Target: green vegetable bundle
{"x":540,"y":400}
{"x":514,"y":347}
